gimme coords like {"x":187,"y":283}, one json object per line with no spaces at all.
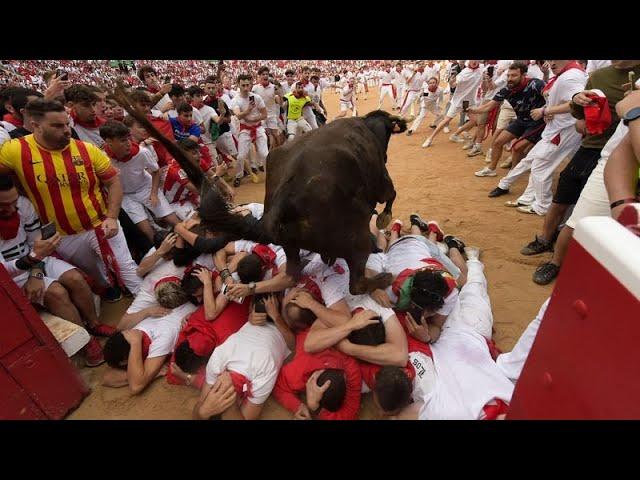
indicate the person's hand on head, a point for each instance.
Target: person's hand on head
{"x":272,"y":305}
{"x":419,"y":331}
{"x":363,"y":319}
{"x":256,"y":318}
{"x":203,"y":275}
{"x":167,"y":244}
{"x":303,"y":300}
{"x":381,"y":298}
{"x":315,"y":392}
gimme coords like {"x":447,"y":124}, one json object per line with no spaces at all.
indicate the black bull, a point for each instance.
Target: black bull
{"x":320,"y":191}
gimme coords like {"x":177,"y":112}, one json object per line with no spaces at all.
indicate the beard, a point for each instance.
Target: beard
{"x":56,"y":141}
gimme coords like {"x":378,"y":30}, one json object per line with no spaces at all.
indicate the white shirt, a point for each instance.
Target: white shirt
{"x":257,"y":352}
{"x":13,"y":249}
{"x":432,"y":97}
{"x":467,"y":83}
{"x":207,"y":114}
{"x":133,"y":173}
{"x":415,"y":80}
{"x":286,"y":88}
{"x":614,"y":141}
{"x":534,"y":71}
{"x":164,"y":331}
{"x":243,"y":102}
{"x":333,"y":282}
{"x":366,"y":302}
{"x":268,"y":94}
{"x":386,"y":78}
{"x":248,"y":245}
{"x":430,"y":72}
{"x":146,"y":296}
{"x":466,"y":377}
{"x":89,"y":135}
{"x":564,"y":88}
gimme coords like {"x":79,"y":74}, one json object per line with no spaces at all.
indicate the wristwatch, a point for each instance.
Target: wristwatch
{"x":252,"y":287}
{"x":631,"y":115}
{"x":38,"y":275}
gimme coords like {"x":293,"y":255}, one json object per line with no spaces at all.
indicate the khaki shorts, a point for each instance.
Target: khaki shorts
{"x":505,"y":116}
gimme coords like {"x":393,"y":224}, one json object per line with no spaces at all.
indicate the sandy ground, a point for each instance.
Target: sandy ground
{"x":439,"y":184}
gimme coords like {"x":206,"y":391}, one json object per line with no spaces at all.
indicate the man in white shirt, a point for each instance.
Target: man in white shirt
{"x":387,"y":87}
{"x":432,"y":98}
{"x":400,"y":82}
{"x":267,"y":91}
{"x":467,"y":83}
{"x":414,"y":79}
{"x":252,"y":358}
{"x":250,"y":110}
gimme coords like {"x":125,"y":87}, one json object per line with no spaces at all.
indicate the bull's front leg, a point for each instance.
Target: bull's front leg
{"x":389,"y":195}
{"x":294,"y":265}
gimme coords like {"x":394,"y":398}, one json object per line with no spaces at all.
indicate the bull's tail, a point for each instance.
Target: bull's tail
{"x":215,"y":216}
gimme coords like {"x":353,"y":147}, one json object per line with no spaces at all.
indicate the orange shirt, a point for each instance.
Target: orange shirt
{"x":63,"y":185}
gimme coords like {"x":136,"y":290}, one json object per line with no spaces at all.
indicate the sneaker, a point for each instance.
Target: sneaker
{"x":409,"y":132}
{"x":485,"y":172}
{"x":455,"y":138}
{"x":536,"y":247}
{"x":497,"y":192}
{"x":472,"y":253}
{"x":112,"y":294}
{"x":101,"y":330}
{"x":475,"y":151}
{"x":236,"y":182}
{"x":546,"y":273}
{"x":454,"y":242}
{"x":435,"y":228}
{"x":416,"y":220}
{"x":396,"y":226}
{"x":446,"y":130}
{"x":507,"y":163}
{"x":527,"y":209}
{"x":93,"y":355}
{"x":514,"y":204}
{"x":427,"y":143}
{"x":467,"y":146}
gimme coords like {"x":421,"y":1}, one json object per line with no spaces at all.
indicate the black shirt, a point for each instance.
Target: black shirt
{"x":525,"y":100}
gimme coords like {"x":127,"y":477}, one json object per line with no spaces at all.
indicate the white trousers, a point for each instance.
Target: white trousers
{"x":386,"y":91}
{"x":244,"y":147}
{"x":83,"y":251}
{"x":400,"y":95}
{"x":511,"y":363}
{"x":425,"y":107}
{"x":294,"y":125}
{"x":543,"y":159}
{"x":409,"y":97}
{"x":474,"y":306}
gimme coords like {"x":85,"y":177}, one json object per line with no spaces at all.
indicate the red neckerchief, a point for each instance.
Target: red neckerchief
{"x":491,"y":62}
{"x":168,"y":279}
{"x":13,"y":120}
{"x":153,"y":89}
{"x":518,"y":88}
{"x":97,"y":122}
{"x":9,"y":226}
{"x":568,"y":66}
{"x":267,"y":257}
{"x":135,"y":149}
{"x":474,"y":68}
{"x":146,"y":343}
{"x":597,"y":117}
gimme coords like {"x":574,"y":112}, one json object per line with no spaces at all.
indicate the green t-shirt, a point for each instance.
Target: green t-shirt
{"x":610,"y":81}
{"x":294,"y":110}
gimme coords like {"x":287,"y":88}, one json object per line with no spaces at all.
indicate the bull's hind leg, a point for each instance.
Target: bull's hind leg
{"x":389,"y":197}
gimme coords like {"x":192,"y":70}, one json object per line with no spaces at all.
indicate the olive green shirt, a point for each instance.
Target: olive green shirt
{"x":610,"y":81}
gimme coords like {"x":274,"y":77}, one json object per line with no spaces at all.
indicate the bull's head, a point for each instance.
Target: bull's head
{"x":398,"y":125}
{"x":383,"y":125}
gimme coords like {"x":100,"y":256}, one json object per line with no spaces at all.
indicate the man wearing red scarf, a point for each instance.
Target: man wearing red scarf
{"x":141,"y":189}
{"x":82,"y":102}
{"x":559,"y":139}
{"x":250,"y":110}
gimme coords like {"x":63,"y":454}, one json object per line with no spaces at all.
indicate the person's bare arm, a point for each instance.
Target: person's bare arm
{"x":115,"y":378}
{"x":215,"y":399}
{"x":621,"y":175}
{"x":393,"y":352}
{"x":631,"y":100}
{"x":147,"y":263}
{"x":250,"y":411}
{"x":321,"y":337}
{"x":130,"y":320}
{"x":337,"y":314}
{"x":220,"y":259}
{"x":155,"y":186}
{"x":114,"y":200}
{"x":487,"y":107}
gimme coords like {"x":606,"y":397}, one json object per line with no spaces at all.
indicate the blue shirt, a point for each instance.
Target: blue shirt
{"x":181,"y":133}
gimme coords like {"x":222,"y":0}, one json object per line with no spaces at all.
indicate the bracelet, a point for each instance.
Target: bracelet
{"x":622,"y":202}
{"x":189,"y":378}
